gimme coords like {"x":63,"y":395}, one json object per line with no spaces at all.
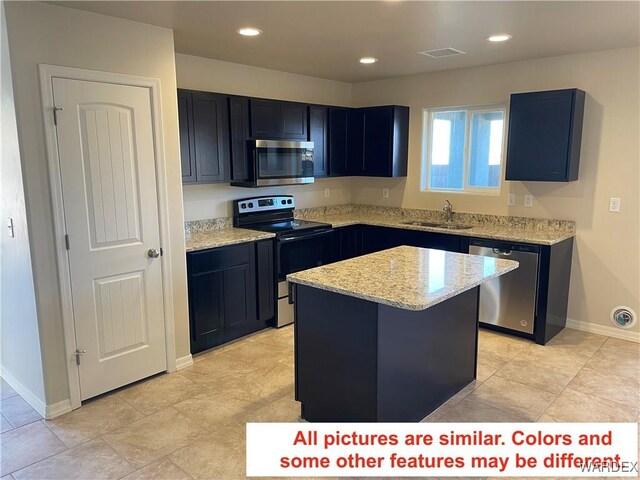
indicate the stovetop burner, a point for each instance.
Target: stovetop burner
{"x":288,"y":226}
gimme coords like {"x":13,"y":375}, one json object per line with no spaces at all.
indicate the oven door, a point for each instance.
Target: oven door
{"x":296,"y":253}
{"x":280,"y":162}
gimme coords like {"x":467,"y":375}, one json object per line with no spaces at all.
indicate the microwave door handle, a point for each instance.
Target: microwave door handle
{"x":304,"y":237}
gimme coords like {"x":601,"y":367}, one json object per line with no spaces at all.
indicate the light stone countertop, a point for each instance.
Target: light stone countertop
{"x":203,"y":239}
{"x":524,"y":234}
{"x":410,"y":278}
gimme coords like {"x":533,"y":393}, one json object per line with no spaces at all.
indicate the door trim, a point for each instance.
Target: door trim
{"x":47,"y":73}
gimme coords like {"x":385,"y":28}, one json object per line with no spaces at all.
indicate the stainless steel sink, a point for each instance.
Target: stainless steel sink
{"x":449,"y":226}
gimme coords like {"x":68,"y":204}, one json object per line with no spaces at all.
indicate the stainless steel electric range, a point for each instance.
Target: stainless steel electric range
{"x":300,"y":244}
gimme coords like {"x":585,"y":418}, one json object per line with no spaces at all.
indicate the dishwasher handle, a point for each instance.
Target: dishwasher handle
{"x":500,"y":251}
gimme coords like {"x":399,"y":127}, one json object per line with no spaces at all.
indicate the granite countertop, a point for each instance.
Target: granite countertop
{"x":534,"y":234}
{"x":411,"y":278}
{"x":203,"y":239}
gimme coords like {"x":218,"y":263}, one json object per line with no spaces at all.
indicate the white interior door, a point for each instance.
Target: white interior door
{"x":107,"y":164}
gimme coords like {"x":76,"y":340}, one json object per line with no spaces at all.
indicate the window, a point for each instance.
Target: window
{"x":464,"y":149}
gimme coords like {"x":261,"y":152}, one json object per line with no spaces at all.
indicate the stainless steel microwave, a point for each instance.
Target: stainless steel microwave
{"x":279,"y":162}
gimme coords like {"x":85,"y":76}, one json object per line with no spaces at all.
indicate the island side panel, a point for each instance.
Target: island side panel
{"x":335,"y":356}
{"x":425,"y":357}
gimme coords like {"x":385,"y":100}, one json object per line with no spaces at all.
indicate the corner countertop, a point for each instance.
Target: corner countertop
{"x":404,"y":277}
{"x":522,"y":233}
{"x":220,"y":237}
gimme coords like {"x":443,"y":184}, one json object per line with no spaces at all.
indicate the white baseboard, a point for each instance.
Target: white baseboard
{"x":604,"y":330}
{"x":26,"y":394}
{"x":57,"y":409}
{"x":184,"y":362}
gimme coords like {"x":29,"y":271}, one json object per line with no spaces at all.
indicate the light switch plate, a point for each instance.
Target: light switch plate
{"x":385,"y":193}
{"x":614,"y":204}
{"x":528,"y":200}
{"x":12,"y":232}
{"x":511,"y":200}
{"x":327,"y":192}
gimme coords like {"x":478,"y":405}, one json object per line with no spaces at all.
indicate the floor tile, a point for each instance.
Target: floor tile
{"x":5,"y":390}
{"x":26,"y":445}
{"x":7,"y":477}
{"x":93,"y":419}
{"x":457,"y":398}
{"x":283,"y":409}
{"x":18,"y":412}
{"x":552,"y":378}
{"x":214,"y":409}
{"x":621,"y":346}
{"x":153,"y":437}
{"x":572,"y":406}
{"x":577,"y":340}
{"x":94,"y":459}
{"x":470,"y":411}
{"x":516,"y":398}
{"x":488,"y":364}
{"x":163,"y":469}
{"x":607,"y":386}
{"x":611,"y":362}
{"x":501,"y":346}
{"x":218,"y":455}
{"x":5,"y":425}
{"x":157,"y":393}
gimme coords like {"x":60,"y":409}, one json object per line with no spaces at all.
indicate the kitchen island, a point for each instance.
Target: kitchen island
{"x":389,"y":336}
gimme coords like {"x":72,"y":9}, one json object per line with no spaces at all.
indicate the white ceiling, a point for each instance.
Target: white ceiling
{"x":326,"y":38}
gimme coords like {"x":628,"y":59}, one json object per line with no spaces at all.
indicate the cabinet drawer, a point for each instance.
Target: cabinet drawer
{"x":219,"y":258}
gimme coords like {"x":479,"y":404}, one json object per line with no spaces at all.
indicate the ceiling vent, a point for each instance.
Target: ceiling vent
{"x":442,"y":52}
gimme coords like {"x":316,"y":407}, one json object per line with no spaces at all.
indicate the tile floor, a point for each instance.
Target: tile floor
{"x":190,"y":424}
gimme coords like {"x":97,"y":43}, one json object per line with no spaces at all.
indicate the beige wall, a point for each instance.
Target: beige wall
{"x":18,"y":316}
{"x":606,"y":264}
{"x":211,"y":201}
{"x":40,"y":33}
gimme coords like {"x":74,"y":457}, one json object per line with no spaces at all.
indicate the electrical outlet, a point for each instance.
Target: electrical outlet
{"x":614,"y":204}
{"x":327,"y":193}
{"x":528,"y":200}
{"x":385,"y":193}
{"x":12,"y":232}
{"x":511,"y":199}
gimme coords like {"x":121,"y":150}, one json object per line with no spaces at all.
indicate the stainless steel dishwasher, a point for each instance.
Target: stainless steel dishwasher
{"x":509,"y":301}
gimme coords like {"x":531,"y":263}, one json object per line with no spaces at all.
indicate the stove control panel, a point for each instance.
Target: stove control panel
{"x":263,"y":204}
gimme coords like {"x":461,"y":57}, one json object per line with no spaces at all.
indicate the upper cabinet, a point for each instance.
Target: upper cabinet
{"x":204,"y":136}
{"x":273,"y":119}
{"x":545,"y":132}
{"x":319,"y":135}
{"x":371,"y":141}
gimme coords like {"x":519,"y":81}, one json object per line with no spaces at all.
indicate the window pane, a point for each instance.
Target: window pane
{"x":485,"y":149}
{"x":447,"y":149}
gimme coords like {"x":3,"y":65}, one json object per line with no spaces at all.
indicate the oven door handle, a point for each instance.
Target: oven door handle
{"x":300,"y":238}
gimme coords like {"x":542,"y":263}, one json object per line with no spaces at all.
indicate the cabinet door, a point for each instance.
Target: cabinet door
{"x":540,"y":136}
{"x":211,"y":136}
{"x":337,"y":141}
{"x":266,"y":279}
{"x":348,"y":242}
{"x":439,"y":241}
{"x":294,"y":121}
{"x":355,"y":142}
{"x":378,"y":141}
{"x":266,"y":119}
{"x":206,"y":309}
{"x":239,"y":289}
{"x":319,"y":135}
{"x":241,"y":165}
{"x":185,"y":118}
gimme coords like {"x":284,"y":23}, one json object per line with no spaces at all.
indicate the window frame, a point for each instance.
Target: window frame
{"x":427,"y":122}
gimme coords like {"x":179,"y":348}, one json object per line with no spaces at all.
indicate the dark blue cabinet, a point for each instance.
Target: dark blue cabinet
{"x":273,"y":119}
{"x":319,"y":135}
{"x":231,"y":292}
{"x":239,"y":134}
{"x":370,"y":141}
{"x":545,"y":132}
{"x":204,"y":136}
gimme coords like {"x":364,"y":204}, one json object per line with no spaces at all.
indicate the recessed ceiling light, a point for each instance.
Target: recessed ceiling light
{"x":249,"y":31}
{"x":368,"y":60}
{"x":501,"y":37}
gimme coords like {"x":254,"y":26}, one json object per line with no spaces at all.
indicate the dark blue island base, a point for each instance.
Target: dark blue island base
{"x":361,"y":361}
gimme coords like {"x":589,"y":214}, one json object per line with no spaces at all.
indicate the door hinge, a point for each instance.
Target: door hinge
{"x":78,"y":353}
{"x":66,"y":241}
{"x":161,"y":252}
{"x":55,"y":114}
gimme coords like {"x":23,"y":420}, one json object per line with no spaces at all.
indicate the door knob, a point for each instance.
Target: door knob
{"x":153,"y":253}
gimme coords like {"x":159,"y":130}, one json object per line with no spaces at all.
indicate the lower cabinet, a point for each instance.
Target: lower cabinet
{"x":231,"y":292}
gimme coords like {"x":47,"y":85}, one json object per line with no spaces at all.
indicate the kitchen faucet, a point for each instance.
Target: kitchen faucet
{"x":448,"y":211}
